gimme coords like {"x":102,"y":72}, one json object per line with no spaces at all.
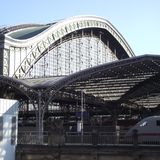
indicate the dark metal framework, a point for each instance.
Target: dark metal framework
{"x":12,"y":88}
{"x":133,"y":81}
{"x":115,"y":88}
{"x":125,"y":81}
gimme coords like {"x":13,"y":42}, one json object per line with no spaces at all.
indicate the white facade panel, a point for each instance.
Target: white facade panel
{"x":8,"y":128}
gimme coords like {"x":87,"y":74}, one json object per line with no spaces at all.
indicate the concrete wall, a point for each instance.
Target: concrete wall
{"x":83,"y":152}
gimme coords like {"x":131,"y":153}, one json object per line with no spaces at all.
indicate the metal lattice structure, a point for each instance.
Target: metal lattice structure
{"x":54,"y":49}
{"x":130,"y":82}
{"x":52,"y":67}
{"x":128,"y":87}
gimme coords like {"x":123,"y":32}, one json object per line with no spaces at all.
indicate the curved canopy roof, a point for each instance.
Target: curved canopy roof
{"x":133,"y":82}
{"x":42,"y":38}
{"x":52,"y":32}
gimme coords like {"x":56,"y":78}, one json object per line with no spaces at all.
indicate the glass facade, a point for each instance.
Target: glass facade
{"x":72,"y":56}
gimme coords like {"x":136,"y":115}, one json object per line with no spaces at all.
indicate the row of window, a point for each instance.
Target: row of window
{"x":145,"y":123}
{"x":13,"y":130}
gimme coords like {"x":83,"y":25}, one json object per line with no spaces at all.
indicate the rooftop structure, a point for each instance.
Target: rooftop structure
{"x":60,"y":48}
{"x":75,"y":65}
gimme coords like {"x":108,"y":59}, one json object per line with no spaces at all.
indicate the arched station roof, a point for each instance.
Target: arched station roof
{"x":43,"y":38}
{"x":55,"y":31}
{"x":132,"y":82}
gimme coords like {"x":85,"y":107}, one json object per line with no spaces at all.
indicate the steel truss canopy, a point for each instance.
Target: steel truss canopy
{"x":132,"y":82}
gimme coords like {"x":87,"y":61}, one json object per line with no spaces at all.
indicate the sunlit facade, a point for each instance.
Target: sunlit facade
{"x":60,"y":48}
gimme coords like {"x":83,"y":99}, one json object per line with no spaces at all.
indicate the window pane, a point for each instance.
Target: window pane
{"x":158,"y":122}
{"x":13,"y":131}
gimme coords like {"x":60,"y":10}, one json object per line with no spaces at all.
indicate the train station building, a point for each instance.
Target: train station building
{"x":78,"y":75}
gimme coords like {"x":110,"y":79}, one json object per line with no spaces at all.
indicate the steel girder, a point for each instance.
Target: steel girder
{"x":145,"y":93}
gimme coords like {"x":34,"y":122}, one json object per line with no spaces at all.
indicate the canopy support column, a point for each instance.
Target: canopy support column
{"x":40,"y":119}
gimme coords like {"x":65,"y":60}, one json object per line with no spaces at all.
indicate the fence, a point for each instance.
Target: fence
{"x":101,"y":138}
{"x":92,"y":138}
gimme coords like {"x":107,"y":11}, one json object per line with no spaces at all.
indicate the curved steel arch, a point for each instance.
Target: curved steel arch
{"x":20,"y":86}
{"x":61,"y":29}
{"x":86,"y":74}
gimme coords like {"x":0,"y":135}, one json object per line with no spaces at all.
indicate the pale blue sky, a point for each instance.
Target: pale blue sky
{"x":137,"y":20}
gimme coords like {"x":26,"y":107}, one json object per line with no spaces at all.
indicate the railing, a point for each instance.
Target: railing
{"x":98,"y":138}
{"x":31,"y":137}
{"x":101,"y":138}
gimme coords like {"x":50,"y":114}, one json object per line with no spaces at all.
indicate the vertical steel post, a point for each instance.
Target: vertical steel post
{"x":40,"y":120}
{"x":82,"y":109}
